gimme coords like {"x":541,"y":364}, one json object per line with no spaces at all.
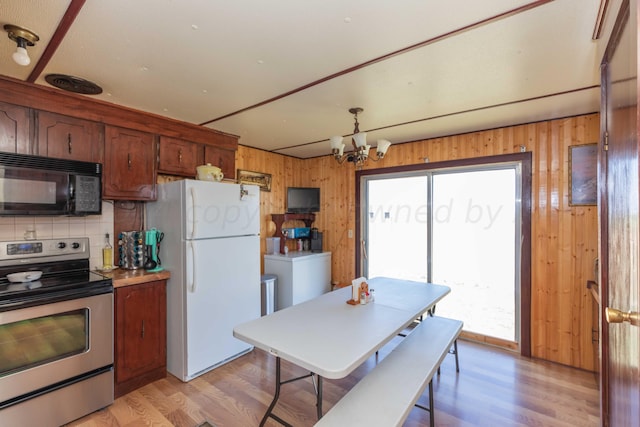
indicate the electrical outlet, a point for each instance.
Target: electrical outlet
{"x":350,"y":234}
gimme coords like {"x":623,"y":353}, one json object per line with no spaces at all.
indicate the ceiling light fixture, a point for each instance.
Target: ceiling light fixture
{"x":360,"y":152}
{"x":23,"y":38}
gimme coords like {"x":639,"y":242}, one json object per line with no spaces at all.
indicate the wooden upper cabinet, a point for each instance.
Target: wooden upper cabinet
{"x":130,"y":165}
{"x":224,"y":159}
{"x":179,"y":157}
{"x":14,"y":128}
{"x":70,"y":138}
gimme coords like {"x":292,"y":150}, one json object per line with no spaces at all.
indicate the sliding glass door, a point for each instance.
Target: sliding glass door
{"x":456,"y":227}
{"x":474,"y":249}
{"x":397,"y":223}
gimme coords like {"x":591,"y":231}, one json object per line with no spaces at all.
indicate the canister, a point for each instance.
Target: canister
{"x":273,"y":245}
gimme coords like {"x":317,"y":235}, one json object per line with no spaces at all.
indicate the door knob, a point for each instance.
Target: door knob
{"x":617,"y":316}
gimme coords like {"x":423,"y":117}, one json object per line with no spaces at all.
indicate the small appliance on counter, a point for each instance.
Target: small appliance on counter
{"x":131,"y":249}
{"x":139,"y":249}
{"x":316,"y":240}
{"x":273,"y":245}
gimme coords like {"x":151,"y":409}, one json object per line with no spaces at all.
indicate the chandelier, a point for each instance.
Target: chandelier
{"x":360,"y":152}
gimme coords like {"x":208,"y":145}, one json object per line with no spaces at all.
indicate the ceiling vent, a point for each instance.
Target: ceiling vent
{"x":73,"y":84}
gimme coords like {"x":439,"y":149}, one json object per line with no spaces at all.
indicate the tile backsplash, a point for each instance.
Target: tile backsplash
{"x":49,"y":227}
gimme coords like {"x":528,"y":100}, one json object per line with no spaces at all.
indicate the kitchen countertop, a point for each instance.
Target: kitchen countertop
{"x":122,"y":277}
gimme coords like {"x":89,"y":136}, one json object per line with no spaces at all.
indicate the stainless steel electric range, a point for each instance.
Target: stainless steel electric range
{"x":56,"y":333}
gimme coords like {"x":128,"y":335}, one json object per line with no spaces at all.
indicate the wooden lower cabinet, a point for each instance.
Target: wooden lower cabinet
{"x":140,"y":335}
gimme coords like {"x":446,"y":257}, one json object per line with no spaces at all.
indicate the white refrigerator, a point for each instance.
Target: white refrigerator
{"x":211,"y":247}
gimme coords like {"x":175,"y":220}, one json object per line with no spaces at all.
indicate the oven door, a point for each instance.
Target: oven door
{"x":48,"y":344}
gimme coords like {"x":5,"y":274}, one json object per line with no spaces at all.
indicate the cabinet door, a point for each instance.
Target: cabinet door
{"x":140,"y":330}
{"x":224,"y":159}
{"x":129,"y":166}
{"x":66,"y":137}
{"x":14,"y":128}
{"x":179,"y":157}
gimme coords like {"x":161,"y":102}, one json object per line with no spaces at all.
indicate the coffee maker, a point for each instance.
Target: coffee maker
{"x":316,"y":240}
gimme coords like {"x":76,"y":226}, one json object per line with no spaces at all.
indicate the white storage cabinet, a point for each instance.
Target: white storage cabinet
{"x":301,"y":276}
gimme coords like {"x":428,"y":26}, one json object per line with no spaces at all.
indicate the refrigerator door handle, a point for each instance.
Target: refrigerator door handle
{"x":192,"y":285}
{"x":193,"y":211}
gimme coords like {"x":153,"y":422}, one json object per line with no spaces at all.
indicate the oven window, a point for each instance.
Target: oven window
{"x":34,"y":342}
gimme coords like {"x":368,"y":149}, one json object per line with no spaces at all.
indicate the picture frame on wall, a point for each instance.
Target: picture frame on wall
{"x":583,"y":175}
{"x":262,"y":180}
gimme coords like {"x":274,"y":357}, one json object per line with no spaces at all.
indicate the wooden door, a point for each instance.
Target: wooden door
{"x":129,"y":166}
{"x":620,"y":226}
{"x":224,"y":159}
{"x":14,"y":128}
{"x":179,"y":157}
{"x":140,"y":335}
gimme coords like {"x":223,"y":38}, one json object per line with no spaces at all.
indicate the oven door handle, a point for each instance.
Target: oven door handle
{"x":192,"y":285}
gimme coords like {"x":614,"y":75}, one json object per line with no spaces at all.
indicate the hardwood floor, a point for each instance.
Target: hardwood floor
{"x":494,"y":388}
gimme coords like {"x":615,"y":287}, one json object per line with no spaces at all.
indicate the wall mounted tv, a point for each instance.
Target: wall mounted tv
{"x":303,"y":199}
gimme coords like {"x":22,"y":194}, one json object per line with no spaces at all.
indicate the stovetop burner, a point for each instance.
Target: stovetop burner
{"x":65,"y":272}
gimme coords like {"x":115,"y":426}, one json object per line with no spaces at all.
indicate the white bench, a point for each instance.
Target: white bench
{"x":386,"y":395}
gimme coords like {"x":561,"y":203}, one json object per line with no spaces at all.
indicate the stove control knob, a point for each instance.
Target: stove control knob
{"x":62,"y":245}
{"x":75,"y":245}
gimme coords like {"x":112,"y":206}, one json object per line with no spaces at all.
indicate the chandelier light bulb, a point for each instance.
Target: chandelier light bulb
{"x":336,"y":142}
{"x":383,"y":146}
{"x":21,"y":57}
{"x":360,"y":139}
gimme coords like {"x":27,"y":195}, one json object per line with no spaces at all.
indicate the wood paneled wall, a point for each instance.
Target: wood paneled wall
{"x":285,"y":172}
{"x":564,"y":238}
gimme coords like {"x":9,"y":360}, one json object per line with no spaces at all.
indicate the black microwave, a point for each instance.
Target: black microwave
{"x":35,"y":185}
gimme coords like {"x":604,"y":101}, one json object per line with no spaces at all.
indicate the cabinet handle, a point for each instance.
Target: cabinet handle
{"x":142,"y":332}
{"x":129,"y":161}
{"x":69,"y":147}
{"x":180,"y":156}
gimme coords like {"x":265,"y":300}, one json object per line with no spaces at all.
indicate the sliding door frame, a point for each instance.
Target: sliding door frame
{"x":525,"y":159}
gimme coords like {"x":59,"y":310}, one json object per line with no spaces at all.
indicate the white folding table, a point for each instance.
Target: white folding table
{"x":331,"y":338}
